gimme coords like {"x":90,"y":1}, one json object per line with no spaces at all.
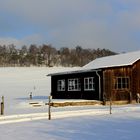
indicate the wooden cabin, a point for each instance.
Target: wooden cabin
{"x":116,"y":77}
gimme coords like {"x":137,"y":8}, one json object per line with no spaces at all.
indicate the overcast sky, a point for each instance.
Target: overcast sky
{"x":110,"y":24}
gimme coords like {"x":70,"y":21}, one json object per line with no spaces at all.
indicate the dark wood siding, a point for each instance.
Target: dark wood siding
{"x":82,"y":94}
{"x":109,"y":76}
{"x":136,"y":78}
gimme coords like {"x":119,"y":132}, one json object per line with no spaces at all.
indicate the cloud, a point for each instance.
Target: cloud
{"x":90,"y":23}
{"x":28,"y":40}
{"x":8,"y":41}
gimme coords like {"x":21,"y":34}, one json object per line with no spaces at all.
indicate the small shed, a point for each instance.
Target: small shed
{"x":116,"y":76}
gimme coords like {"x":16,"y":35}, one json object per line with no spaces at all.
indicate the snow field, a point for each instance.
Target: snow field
{"x":22,"y":121}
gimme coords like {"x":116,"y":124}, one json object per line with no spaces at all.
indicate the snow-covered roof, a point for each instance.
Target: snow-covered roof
{"x":72,"y":72}
{"x":118,"y":60}
{"x":124,"y":59}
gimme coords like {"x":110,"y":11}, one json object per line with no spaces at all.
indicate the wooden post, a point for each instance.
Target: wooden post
{"x":110,"y":104}
{"x":130,"y":97}
{"x":3,"y":100}
{"x":111,"y":85}
{"x":49,"y":109}
{"x":104,"y":98}
{"x":2,"y":106}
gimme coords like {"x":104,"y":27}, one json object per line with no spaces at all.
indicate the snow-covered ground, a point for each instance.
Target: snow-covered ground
{"x":16,"y":84}
{"x":22,"y":121}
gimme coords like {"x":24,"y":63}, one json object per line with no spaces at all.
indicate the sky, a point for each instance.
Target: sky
{"x":109,"y":24}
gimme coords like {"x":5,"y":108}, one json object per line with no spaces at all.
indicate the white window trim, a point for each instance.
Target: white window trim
{"x":121,"y":88}
{"x":89,"y":89}
{"x":61,"y":87}
{"x":74,"y":85}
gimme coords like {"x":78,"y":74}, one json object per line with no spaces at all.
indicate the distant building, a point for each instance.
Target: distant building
{"x":116,"y":76}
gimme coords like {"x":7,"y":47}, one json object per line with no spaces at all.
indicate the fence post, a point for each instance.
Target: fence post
{"x":49,"y":109}
{"x":130,"y":97}
{"x":110,"y":104}
{"x":2,"y":106}
{"x":104,"y":98}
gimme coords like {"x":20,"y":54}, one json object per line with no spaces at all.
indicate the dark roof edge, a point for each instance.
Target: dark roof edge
{"x":73,"y":72}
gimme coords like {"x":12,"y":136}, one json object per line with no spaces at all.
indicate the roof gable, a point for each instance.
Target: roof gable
{"x":124,"y":59}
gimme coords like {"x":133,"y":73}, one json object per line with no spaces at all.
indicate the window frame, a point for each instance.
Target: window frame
{"x":60,"y":86}
{"x":122,"y":83}
{"x":87,"y":84}
{"x":74,"y":84}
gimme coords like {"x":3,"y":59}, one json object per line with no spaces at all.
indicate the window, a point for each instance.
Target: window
{"x":61,"y":85}
{"x":89,"y":83}
{"x":122,"y":83}
{"x":74,"y":85}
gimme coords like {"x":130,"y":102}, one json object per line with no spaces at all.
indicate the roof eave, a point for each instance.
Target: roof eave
{"x":73,"y":72}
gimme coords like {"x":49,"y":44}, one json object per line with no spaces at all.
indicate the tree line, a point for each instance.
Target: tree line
{"x":47,"y":55}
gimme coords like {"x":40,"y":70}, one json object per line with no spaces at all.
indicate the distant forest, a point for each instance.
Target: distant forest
{"x":47,"y":55}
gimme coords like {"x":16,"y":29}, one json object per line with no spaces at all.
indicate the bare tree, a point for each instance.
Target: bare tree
{"x":65,"y":56}
{"x":48,"y":54}
{"x":33,"y":54}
